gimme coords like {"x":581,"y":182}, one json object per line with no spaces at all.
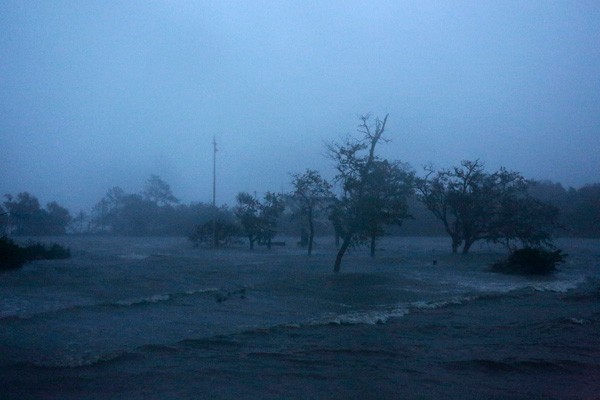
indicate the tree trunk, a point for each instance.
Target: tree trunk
{"x":311,"y":235}
{"x":455,"y":244}
{"x":341,"y":252}
{"x":467,"y":246}
{"x":373,"y":244}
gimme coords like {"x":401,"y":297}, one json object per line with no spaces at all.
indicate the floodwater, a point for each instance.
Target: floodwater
{"x":154,"y":318}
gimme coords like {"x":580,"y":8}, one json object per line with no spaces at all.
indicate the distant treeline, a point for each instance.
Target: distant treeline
{"x":157,"y":212}
{"x":23,"y":215}
{"x":579,"y":211}
{"x":579,"y":208}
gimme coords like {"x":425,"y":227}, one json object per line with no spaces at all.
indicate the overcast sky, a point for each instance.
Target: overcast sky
{"x":95,"y":94}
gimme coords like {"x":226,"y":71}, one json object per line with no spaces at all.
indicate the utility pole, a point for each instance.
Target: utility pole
{"x":214,"y":199}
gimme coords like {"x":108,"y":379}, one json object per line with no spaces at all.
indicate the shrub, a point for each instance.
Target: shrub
{"x":530,"y":261}
{"x":13,"y":256}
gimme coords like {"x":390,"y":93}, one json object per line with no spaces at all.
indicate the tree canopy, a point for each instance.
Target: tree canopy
{"x":475,"y":205}
{"x":25,"y":216}
{"x":373,"y":190}
{"x":311,"y":196}
{"x":258,"y":219}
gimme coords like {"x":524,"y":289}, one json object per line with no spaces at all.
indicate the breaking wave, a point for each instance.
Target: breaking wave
{"x":13,"y":311}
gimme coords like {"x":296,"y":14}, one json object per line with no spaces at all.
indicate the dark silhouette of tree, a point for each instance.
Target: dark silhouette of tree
{"x":26,"y":217}
{"x":57,"y":219}
{"x":227,"y":231}
{"x":583,"y":215}
{"x":106,"y":213}
{"x":158,"y":192}
{"x":369,"y":187}
{"x":247,"y":211}
{"x":271,"y":209}
{"x":311,"y":196}
{"x":78,"y":223}
{"x":153,"y":212}
{"x":25,"y":213}
{"x":385,"y":201}
{"x":336,"y":217}
{"x":259,"y":219}
{"x":475,"y":205}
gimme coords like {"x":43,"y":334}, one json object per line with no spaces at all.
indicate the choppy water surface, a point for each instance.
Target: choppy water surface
{"x":154,"y":318}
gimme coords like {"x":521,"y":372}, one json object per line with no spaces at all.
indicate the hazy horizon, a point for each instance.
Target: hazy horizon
{"x":101,"y":94}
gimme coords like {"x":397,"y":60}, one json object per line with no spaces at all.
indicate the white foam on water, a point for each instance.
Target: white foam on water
{"x":200,"y":291}
{"x":431,"y":305}
{"x":560,"y":286}
{"x":372,"y":317}
{"x":142,"y":300}
{"x":134,"y":256}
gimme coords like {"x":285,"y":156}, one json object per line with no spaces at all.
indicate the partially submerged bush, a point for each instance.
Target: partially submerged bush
{"x":530,"y":261}
{"x":13,"y":256}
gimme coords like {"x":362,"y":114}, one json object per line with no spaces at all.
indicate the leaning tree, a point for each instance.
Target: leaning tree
{"x":476,"y":205}
{"x":311,"y":196}
{"x":372,"y":189}
{"x":385,"y":200}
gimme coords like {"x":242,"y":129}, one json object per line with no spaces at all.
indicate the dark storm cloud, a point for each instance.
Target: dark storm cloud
{"x":98,"y":94}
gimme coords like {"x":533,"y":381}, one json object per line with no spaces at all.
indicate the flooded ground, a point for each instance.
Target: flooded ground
{"x":155,"y":318}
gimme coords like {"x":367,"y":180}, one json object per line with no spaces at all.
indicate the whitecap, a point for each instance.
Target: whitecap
{"x":150,"y":299}
{"x":430,"y":305}
{"x":557,"y":286}
{"x":362,"y":317}
{"x":134,"y":256}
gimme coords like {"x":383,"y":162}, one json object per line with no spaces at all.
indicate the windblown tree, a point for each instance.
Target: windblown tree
{"x":25,"y":216}
{"x":56,"y":219}
{"x":25,"y":213}
{"x":370,"y":188}
{"x":386,"y":198}
{"x":272,"y":207}
{"x":584,"y":212}
{"x":78,"y":223}
{"x":311,"y":196}
{"x":259,"y":219}
{"x":224,"y":229}
{"x":247,"y":211}
{"x":475,"y":205}
{"x":152,"y":212}
{"x":159,"y":192}
{"x":106,"y":213}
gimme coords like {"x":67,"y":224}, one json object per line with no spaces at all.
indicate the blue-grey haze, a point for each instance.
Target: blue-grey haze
{"x":95,"y":94}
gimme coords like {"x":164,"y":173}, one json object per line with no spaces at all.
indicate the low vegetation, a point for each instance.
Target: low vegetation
{"x":530,"y":261}
{"x":13,"y":256}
